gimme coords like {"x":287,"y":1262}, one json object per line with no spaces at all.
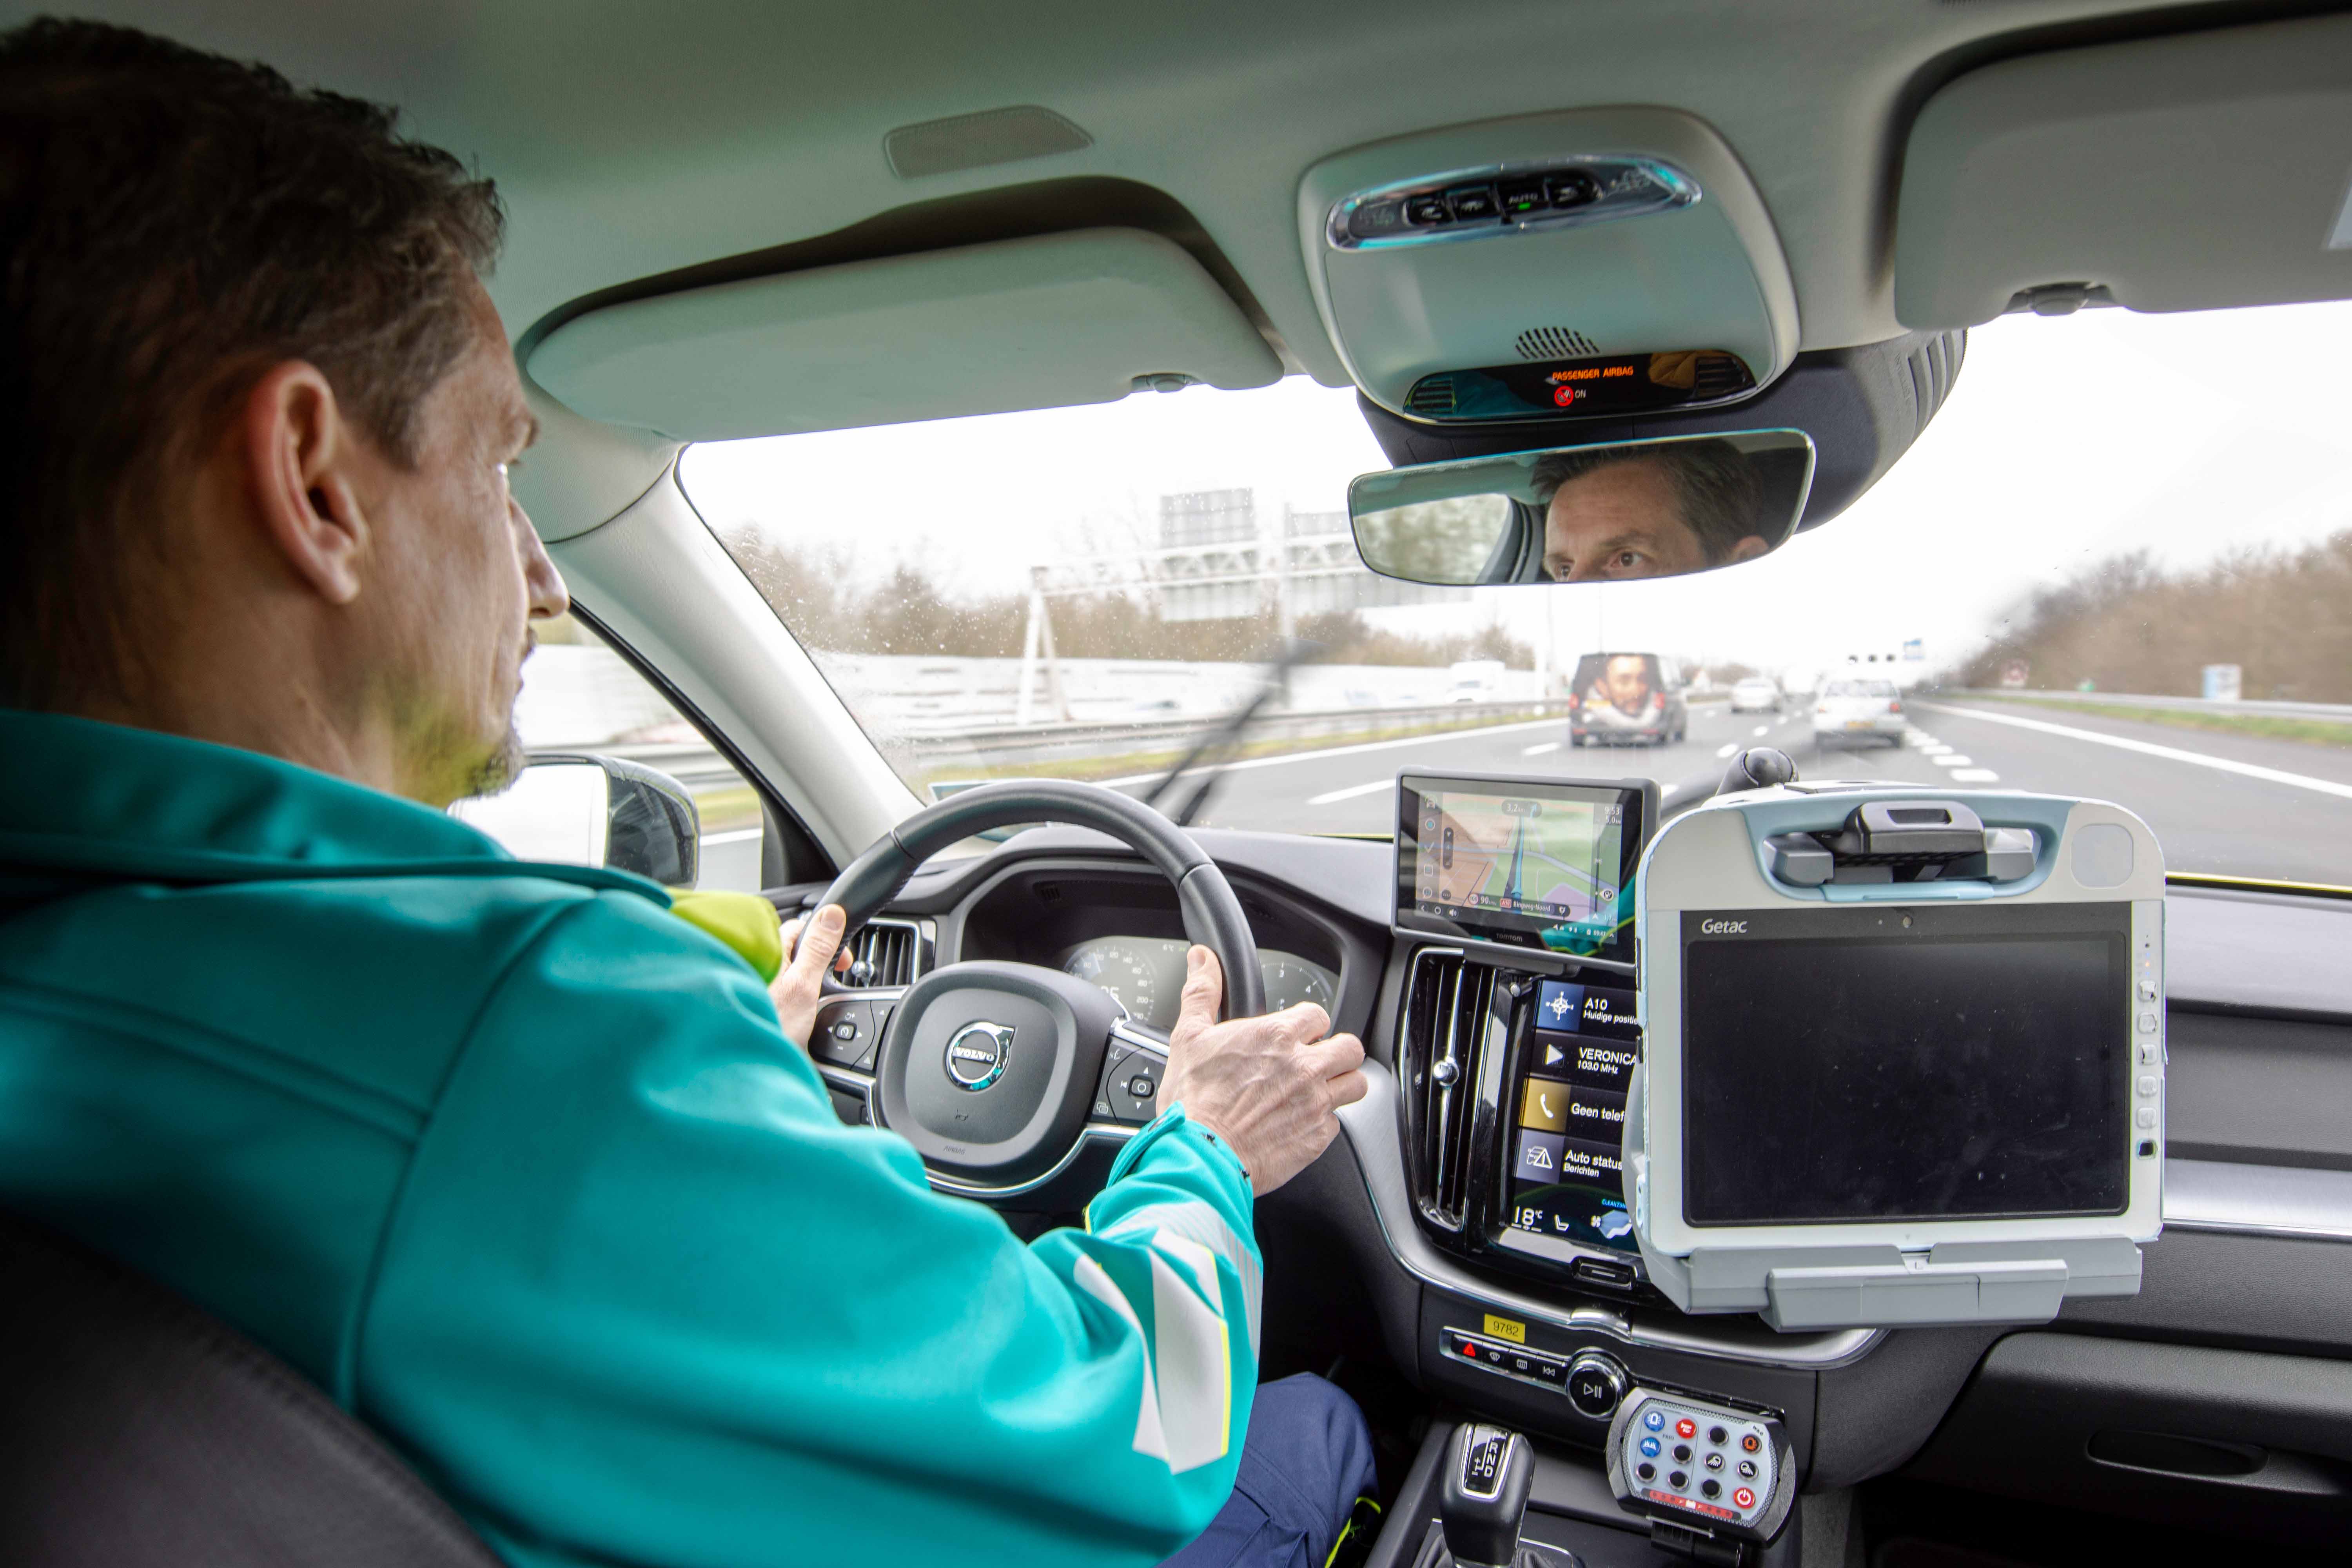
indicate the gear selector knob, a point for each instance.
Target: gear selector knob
{"x":1484,"y":1500}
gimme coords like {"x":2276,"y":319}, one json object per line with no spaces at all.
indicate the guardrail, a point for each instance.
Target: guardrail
{"x":2135,"y":699}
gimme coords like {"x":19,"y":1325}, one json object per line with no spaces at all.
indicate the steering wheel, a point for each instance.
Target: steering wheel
{"x":990,"y":1068}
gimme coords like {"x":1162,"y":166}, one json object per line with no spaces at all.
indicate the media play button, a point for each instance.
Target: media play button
{"x":1554,"y":1055}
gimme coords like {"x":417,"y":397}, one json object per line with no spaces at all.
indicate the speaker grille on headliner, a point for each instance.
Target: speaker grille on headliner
{"x":1431,"y":395}
{"x":976,"y":141}
{"x":1555,"y":342}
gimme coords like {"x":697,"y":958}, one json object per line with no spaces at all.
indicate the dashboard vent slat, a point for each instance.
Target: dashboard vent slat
{"x":1431,"y":395}
{"x":886,"y":953}
{"x":1448,"y":1005}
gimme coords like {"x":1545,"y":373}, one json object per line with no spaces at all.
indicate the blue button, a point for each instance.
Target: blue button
{"x":1654,"y":1421}
{"x":1649,"y":1447}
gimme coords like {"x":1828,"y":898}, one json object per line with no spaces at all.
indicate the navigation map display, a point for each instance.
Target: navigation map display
{"x":1530,"y":863}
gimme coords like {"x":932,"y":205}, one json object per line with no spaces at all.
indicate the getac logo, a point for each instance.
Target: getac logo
{"x":1723,"y":928}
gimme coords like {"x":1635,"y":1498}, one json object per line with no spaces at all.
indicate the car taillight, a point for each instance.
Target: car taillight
{"x":1822,"y":709}
{"x":1895,"y":708}
{"x":1657,"y":701}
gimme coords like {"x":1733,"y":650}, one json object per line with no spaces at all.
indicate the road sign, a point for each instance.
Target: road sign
{"x":2224,"y":683}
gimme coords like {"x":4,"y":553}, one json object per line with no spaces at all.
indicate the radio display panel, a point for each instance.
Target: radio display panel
{"x":1859,"y":1066}
{"x":1566,"y":1143}
{"x":1537,"y":864}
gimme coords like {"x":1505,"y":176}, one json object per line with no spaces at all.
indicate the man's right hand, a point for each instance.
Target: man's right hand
{"x":1267,"y":1087}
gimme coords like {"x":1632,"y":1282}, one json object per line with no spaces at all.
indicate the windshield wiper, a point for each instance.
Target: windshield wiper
{"x":1213,"y":747}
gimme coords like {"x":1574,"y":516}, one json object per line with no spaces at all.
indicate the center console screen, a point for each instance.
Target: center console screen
{"x":1525,"y":863}
{"x":1567,"y":1117}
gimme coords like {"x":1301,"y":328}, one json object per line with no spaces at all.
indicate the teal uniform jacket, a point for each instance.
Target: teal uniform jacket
{"x":521,"y":1170}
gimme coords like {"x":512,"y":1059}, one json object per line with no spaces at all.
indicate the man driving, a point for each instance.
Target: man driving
{"x":1620,"y":512}
{"x":525,"y":1172}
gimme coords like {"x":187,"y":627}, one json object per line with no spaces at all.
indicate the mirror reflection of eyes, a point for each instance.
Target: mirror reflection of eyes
{"x":1607,"y":513}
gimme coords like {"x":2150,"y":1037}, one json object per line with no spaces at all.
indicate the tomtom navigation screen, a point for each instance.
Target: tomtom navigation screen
{"x":1944,"y":1062}
{"x":1533,"y":863}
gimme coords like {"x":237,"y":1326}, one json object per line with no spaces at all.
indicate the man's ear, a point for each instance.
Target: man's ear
{"x":300,"y":456}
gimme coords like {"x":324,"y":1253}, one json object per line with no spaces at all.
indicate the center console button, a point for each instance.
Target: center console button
{"x":1596,"y":1386}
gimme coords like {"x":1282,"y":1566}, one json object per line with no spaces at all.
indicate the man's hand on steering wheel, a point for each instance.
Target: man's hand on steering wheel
{"x":811,"y":946}
{"x":1267,"y":1087}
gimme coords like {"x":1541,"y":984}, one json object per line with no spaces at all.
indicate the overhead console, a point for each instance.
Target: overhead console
{"x":1559,"y":265}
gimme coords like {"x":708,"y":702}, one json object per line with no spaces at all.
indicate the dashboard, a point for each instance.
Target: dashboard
{"x":2257,"y":1202}
{"x":1145,"y":974}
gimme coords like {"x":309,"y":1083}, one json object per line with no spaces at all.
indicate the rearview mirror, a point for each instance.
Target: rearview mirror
{"x":581,"y":809}
{"x":1586,"y":514}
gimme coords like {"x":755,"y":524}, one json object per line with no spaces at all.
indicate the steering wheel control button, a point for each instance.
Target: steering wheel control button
{"x":1596,"y":1383}
{"x":978,"y":1055}
{"x":844,"y":1033}
{"x":1135,"y":1087}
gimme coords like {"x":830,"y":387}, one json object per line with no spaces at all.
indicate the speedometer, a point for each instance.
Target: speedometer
{"x":1290,"y":979}
{"x":1131,"y":977}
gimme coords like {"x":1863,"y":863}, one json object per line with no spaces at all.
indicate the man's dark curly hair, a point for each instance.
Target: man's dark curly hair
{"x":172,"y":224}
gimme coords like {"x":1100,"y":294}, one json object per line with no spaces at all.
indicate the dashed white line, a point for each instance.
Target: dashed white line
{"x":1953,"y":760}
{"x":1763,"y":729}
{"x":2170,"y":753}
{"x":1540,"y":751}
{"x":1974,"y":775}
{"x":1352,"y":791}
{"x":1933,"y":749}
{"x":1727,"y":751}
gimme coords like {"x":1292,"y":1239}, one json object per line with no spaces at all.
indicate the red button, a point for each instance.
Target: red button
{"x":1749,"y":1443}
{"x":1744,"y":1498}
{"x":1685,"y":1427}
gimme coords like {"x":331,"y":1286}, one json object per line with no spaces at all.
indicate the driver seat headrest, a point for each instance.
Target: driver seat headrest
{"x":139,"y":1431}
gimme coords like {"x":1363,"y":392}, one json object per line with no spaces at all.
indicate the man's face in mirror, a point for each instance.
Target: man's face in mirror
{"x":1630,"y":519}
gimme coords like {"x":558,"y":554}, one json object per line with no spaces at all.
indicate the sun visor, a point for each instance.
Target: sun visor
{"x":1038,"y":322}
{"x":1587,"y":263}
{"x":2191,"y":173}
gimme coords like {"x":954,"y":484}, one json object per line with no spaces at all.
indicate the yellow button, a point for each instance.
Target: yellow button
{"x":1506,"y":1328}
{"x":1543,"y":1105}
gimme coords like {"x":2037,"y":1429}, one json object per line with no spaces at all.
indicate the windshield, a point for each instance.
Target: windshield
{"x":2119,"y":565}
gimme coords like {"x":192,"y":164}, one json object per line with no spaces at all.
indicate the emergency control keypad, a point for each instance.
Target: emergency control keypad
{"x":1672,"y":1455}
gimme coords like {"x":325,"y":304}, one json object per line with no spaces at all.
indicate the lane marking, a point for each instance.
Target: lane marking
{"x":2170,"y":753}
{"x":1728,"y":750}
{"x":1763,"y":729}
{"x":1974,"y":775}
{"x":1352,"y":791}
{"x":1539,"y":750}
{"x":1247,"y":763}
{"x":1950,"y":759}
{"x":1933,"y":749}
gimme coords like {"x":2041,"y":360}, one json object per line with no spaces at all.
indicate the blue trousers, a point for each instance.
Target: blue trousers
{"x":1308,"y":1458}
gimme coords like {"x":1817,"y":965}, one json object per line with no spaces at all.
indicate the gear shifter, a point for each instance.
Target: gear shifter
{"x":1485,"y":1499}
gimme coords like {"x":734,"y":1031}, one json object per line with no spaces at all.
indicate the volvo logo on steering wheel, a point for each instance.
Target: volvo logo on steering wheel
{"x":978,"y":1055}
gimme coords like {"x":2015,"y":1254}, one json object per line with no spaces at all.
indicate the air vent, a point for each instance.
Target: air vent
{"x":1448,"y":1011}
{"x":1431,"y":394}
{"x":886,"y":952}
{"x":1718,"y":376}
{"x":1555,"y":342}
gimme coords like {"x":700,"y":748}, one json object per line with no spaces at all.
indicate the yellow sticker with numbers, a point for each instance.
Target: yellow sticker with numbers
{"x":1506,"y":1328}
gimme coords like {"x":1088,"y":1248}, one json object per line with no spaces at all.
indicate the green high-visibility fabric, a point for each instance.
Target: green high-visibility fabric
{"x":519,"y":1167}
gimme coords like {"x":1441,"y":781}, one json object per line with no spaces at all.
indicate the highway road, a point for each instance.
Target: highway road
{"x":2237,"y":805}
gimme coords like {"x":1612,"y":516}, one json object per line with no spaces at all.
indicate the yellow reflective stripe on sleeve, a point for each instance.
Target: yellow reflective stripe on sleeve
{"x":1191,"y":1354}
{"x":1150,"y":1437}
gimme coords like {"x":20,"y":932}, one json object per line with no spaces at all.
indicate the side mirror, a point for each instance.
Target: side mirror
{"x":581,"y":809}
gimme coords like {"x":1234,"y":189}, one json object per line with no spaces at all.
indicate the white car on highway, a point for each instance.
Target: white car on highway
{"x":1756,"y":694}
{"x":1850,"y":710}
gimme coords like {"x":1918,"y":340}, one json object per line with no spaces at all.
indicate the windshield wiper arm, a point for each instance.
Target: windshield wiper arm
{"x":1222,"y":740}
